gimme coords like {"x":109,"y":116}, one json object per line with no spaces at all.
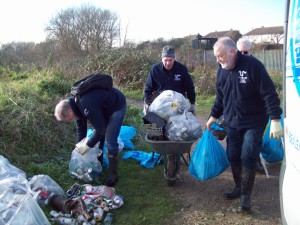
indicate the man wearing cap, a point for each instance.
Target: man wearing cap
{"x":169,"y":74}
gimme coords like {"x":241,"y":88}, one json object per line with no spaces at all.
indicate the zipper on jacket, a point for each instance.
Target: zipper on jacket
{"x":233,"y":96}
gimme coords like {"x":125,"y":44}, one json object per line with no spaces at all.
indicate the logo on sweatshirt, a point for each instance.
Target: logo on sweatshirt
{"x":177,"y":77}
{"x":242,"y":78}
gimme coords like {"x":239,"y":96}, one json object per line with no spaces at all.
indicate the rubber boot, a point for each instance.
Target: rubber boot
{"x":237,"y":177}
{"x":101,"y":147}
{"x":248,"y":177}
{"x":259,"y":167}
{"x":112,"y":177}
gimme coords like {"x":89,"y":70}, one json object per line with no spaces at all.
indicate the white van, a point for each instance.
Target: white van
{"x":290,"y":168}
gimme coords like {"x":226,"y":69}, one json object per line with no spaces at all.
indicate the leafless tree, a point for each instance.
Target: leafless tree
{"x":234,"y":35}
{"x":85,"y":30}
{"x":277,"y":38}
{"x":17,"y":53}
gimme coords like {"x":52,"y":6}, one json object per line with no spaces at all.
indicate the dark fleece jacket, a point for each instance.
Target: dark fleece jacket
{"x":245,"y":94}
{"x":96,"y":106}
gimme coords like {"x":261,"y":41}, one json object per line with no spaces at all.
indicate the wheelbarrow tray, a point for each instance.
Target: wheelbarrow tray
{"x":171,"y":147}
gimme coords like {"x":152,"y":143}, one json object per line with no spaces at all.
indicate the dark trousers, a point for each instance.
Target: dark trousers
{"x":244,"y":146}
{"x":113,"y":130}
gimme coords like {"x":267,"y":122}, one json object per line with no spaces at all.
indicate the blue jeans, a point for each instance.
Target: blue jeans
{"x":244,"y":146}
{"x":113,"y":130}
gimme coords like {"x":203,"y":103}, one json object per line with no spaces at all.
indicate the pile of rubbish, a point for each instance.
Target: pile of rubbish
{"x":168,"y":118}
{"x":86,"y":204}
{"x":21,"y":200}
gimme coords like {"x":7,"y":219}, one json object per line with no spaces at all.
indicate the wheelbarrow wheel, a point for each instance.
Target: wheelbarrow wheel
{"x":171,"y":171}
{"x":171,"y":182}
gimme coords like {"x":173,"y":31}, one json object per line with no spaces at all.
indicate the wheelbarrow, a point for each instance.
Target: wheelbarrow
{"x":170,"y":149}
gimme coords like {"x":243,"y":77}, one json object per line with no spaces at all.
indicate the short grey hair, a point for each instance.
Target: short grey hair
{"x":61,"y":110}
{"x":245,"y":42}
{"x":227,"y":42}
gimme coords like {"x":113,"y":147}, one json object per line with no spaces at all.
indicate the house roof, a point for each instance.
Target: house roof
{"x":265,"y":31}
{"x":217,"y":34}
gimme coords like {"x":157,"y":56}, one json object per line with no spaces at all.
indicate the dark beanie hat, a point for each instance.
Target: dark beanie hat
{"x":168,"y":51}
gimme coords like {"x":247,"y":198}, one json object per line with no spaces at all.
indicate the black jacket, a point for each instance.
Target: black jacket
{"x":177,"y":79}
{"x":96,"y":106}
{"x":245,"y":94}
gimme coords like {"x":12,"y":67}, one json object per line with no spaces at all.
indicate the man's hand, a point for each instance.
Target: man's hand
{"x":145,"y":108}
{"x":82,"y":148}
{"x":210,"y":121}
{"x":192,"y":109}
{"x":276,"y":130}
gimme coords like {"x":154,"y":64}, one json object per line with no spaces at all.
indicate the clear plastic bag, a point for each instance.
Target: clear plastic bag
{"x":12,"y":178}
{"x":184,"y":127}
{"x":86,"y":168}
{"x":169,"y":103}
{"x":19,"y":209}
{"x":9,"y":170}
{"x":46,"y":187}
{"x":17,"y":200}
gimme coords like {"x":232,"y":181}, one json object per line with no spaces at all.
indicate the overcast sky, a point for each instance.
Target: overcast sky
{"x":25,"y":20}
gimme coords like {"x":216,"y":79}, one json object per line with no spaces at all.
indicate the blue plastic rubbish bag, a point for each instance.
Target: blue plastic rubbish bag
{"x":272,"y":149}
{"x":209,"y":158}
{"x":144,"y":158}
{"x":124,"y":141}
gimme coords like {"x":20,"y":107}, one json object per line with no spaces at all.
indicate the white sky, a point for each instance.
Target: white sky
{"x":25,"y":20}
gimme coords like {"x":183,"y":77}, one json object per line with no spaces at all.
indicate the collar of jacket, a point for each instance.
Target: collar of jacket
{"x":74,"y":107}
{"x":163,"y":68}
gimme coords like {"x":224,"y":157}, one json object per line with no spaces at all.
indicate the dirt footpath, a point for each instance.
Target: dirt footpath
{"x":203,"y":204}
{"x":202,"y":201}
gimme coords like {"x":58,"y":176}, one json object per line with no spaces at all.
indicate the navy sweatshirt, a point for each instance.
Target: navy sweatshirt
{"x":245,"y":94}
{"x":96,"y":106}
{"x":177,"y":79}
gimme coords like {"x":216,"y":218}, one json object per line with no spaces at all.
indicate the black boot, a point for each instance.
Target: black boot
{"x":237,"y":177}
{"x":248,"y":177}
{"x":112,"y":177}
{"x":101,"y":147}
{"x":259,"y":167}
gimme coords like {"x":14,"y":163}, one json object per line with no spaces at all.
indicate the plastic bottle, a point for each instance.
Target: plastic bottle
{"x":108,"y":219}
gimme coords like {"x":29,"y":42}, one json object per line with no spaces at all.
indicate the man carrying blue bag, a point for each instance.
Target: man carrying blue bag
{"x":246,"y":96}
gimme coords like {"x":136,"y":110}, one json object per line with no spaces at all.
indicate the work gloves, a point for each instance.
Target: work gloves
{"x":192,"y":109}
{"x":210,"y":121}
{"x":276,"y":130}
{"x":81,"y":149}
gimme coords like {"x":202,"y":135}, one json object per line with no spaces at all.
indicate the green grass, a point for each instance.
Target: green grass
{"x":133,"y":94}
{"x":32,"y":140}
{"x":204,"y":104}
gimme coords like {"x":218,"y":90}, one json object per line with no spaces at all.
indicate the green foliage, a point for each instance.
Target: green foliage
{"x":278,"y":81}
{"x":129,"y":67}
{"x":28,"y":123}
{"x":32,"y":139}
{"x":205,"y":81}
{"x":35,"y":142}
{"x":136,"y":94}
